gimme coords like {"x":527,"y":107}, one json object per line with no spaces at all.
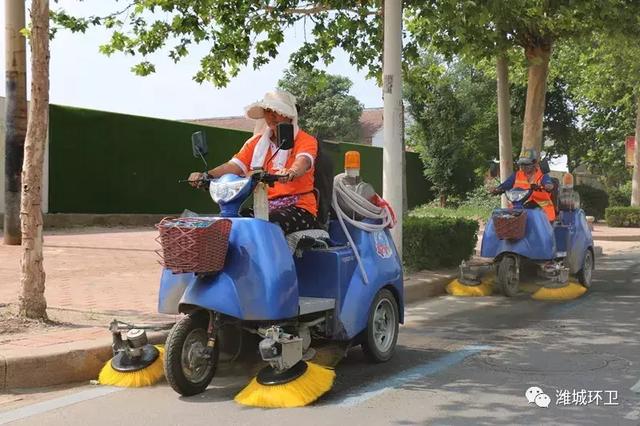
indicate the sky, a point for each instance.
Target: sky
{"x":80,"y":76}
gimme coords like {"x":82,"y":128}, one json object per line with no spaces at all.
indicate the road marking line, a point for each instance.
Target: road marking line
{"x":53,"y":404}
{"x":412,"y":374}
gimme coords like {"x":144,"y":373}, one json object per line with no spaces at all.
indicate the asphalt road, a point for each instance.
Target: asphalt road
{"x":459,"y":362}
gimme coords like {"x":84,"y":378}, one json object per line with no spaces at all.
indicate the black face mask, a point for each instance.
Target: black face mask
{"x":528,"y":168}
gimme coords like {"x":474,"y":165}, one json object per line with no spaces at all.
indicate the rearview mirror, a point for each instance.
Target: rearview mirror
{"x":494,"y":170}
{"x":199,"y":144}
{"x":284,"y":135}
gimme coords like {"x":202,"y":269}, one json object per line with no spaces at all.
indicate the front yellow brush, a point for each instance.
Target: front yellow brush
{"x":305,"y":383}
{"x":135,"y":377}
{"x":569,"y":292}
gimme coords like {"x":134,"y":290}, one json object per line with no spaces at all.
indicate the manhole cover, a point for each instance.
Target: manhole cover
{"x":536,"y":361}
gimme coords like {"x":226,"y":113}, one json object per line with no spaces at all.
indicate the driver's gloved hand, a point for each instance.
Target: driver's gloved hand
{"x":496,"y":191}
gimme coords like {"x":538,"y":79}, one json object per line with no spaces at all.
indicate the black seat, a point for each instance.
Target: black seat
{"x":323,"y":187}
{"x":555,"y":194}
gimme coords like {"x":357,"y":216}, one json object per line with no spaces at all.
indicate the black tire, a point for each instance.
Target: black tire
{"x":376,"y":348}
{"x":508,"y":276}
{"x":189,"y":379}
{"x":585,"y":275}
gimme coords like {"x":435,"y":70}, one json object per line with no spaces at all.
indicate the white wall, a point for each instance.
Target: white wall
{"x":377,"y":138}
{"x":45,"y":176}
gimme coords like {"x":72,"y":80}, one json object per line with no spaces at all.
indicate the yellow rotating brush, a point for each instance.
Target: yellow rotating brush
{"x":135,"y":363}
{"x":296,"y":387}
{"x":568,"y":292}
{"x":484,"y":288}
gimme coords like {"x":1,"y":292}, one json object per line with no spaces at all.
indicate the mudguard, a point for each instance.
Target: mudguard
{"x":258,"y":281}
{"x":384,"y":269}
{"x":579,"y":238}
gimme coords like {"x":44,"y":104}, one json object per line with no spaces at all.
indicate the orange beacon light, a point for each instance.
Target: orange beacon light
{"x":352,"y":163}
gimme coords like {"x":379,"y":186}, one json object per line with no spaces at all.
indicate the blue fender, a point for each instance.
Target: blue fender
{"x":537,"y":244}
{"x":579,"y":238}
{"x":258,"y":281}
{"x":384,"y":269}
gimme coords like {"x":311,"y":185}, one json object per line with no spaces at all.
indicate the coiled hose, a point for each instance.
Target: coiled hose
{"x":361,"y":206}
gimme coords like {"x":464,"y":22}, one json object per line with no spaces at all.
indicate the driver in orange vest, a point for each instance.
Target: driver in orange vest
{"x":530,"y":176}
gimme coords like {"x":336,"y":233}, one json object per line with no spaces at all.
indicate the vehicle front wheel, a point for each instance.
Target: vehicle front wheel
{"x":509,"y":276}
{"x":188,"y":365}
{"x":382,"y":327}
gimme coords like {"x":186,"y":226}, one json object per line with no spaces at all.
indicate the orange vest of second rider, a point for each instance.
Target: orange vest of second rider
{"x":540,"y":197}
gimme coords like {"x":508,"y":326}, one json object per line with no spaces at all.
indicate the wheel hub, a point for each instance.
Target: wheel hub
{"x":125,"y":363}
{"x":269,"y":376}
{"x":383,"y":321}
{"x":195,"y":363}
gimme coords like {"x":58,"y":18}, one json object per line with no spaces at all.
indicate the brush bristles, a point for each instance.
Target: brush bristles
{"x":569,"y":292}
{"x":315,"y":382}
{"x":456,"y":288}
{"x":146,"y":377}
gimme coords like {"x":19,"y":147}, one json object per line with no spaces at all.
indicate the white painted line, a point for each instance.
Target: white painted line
{"x":53,"y":404}
{"x":412,"y":374}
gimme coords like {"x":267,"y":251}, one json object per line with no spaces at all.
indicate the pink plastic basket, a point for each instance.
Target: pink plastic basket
{"x":193,"y":244}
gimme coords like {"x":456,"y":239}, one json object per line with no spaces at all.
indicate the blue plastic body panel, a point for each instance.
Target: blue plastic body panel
{"x":538,"y":242}
{"x":334,"y":273}
{"x":579,"y":238}
{"x":543,"y":241}
{"x":258,"y":281}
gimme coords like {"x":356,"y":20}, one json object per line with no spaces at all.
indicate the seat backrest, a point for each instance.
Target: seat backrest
{"x":555,"y":193}
{"x":323,"y":177}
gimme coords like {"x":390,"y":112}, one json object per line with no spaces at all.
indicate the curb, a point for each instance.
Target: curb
{"x":427,"y":284}
{"x":82,"y":361}
{"x":70,"y":362}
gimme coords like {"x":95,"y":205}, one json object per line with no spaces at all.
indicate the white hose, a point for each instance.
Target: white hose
{"x":362,"y":207}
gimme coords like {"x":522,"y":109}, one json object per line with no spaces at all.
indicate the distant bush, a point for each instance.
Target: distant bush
{"x":435,"y":242}
{"x":623,"y":216}
{"x":594,"y":201}
{"x":621,"y":196}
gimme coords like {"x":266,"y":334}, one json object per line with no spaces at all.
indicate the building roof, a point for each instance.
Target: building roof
{"x":370,"y":123}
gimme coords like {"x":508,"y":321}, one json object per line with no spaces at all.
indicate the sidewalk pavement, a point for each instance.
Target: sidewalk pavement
{"x":93,"y":276}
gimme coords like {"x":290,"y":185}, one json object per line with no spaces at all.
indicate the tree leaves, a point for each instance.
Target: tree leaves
{"x":326,"y":108}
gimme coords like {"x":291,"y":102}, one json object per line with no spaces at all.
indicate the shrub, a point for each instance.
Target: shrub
{"x":435,"y":242}
{"x":594,"y":201}
{"x":620,"y":196}
{"x":623,"y":216}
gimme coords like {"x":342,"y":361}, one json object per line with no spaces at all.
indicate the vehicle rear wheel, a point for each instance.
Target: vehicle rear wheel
{"x":586,"y":273}
{"x":188,"y":366}
{"x":382,"y":327}
{"x":508,"y":276}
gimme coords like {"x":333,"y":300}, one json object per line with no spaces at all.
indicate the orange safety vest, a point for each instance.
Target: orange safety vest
{"x":540,"y":197}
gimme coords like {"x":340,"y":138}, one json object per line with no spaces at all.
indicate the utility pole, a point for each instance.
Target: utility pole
{"x":392,"y":161}
{"x":16,"y":117}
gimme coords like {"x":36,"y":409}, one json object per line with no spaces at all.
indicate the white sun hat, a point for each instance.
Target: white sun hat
{"x":280,"y":101}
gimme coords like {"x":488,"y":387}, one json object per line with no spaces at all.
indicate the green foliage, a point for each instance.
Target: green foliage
{"x":594,"y":201}
{"x":238,"y":33}
{"x":620,"y":196}
{"x":628,"y":217}
{"x":455,"y":127}
{"x":477,"y":205}
{"x":602,"y":79}
{"x":436,"y":242}
{"x":326,"y":108}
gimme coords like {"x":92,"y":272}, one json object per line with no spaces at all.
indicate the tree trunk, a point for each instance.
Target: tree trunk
{"x":538,"y":58}
{"x":32,"y":301}
{"x":635,"y":182}
{"x":16,"y":117}
{"x":504,"y":122}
